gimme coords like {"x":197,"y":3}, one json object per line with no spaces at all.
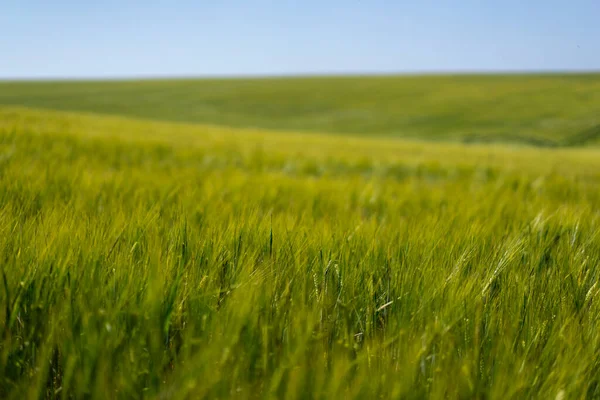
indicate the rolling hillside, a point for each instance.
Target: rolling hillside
{"x":544,"y":110}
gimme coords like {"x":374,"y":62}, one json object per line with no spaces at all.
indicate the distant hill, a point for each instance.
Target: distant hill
{"x":545,"y":110}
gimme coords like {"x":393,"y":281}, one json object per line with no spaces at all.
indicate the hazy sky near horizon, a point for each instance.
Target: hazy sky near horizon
{"x":77,"y":39}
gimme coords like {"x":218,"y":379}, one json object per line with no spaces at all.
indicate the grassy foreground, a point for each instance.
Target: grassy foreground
{"x":547,"y":110}
{"x":178,"y":261}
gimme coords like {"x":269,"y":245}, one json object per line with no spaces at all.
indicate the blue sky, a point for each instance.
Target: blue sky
{"x":76,"y":39}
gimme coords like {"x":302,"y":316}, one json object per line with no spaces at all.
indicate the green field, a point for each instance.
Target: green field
{"x":547,"y":110}
{"x":177,"y":251}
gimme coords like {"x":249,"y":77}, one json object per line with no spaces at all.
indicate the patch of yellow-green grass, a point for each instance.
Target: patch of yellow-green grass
{"x":148,"y":259}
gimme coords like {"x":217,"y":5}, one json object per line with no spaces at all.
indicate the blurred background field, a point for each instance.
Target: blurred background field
{"x":542,"y":110}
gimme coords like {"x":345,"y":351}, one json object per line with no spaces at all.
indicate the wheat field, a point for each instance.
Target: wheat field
{"x":144,"y":256}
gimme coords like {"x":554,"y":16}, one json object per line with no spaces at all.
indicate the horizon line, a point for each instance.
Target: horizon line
{"x":300,"y":75}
